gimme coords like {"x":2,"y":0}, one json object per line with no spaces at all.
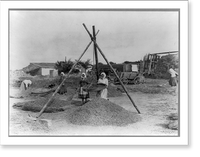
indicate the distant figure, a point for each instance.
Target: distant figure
{"x":88,"y":70}
{"x":62,"y":77}
{"x":25,"y":84}
{"x":174,"y":74}
{"x":103,"y":80}
{"x":83,"y":92}
{"x":63,"y":88}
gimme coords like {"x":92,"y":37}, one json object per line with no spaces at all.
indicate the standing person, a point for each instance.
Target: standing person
{"x":63,"y":88}
{"x":173,"y":73}
{"x":83,"y":93}
{"x":103,"y":80}
{"x":62,"y":77}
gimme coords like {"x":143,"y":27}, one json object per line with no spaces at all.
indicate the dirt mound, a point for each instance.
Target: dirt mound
{"x":73,"y":82}
{"x":44,"y":82}
{"x":30,"y":93}
{"x":98,"y":112}
{"x":35,"y":106}
{"x":17,"y":93}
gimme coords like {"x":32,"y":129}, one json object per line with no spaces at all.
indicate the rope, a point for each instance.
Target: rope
{"x":93,"y":56}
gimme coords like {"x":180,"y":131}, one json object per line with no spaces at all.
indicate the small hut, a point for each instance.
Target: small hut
{"x":43,"y":69}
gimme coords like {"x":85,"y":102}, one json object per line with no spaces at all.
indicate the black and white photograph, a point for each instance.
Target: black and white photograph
{"x":94,"y":72}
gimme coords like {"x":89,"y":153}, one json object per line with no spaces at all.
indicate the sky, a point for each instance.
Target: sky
{"x":50,"y":36}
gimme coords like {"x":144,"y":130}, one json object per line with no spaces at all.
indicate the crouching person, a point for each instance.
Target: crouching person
{"x":25,"y":84}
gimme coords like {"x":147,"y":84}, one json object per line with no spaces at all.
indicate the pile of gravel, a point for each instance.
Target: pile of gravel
{"x":99,"y":112}
{"x":56,"y":105}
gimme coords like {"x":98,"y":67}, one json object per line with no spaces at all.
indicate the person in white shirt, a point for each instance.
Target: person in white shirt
{"x":103,"y":80}
{"x":25,"y":84}
{"x":173,"y":73}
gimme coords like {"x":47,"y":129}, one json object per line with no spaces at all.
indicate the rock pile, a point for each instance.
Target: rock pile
{"x":99,"y":112}
{"x":56,"y":105}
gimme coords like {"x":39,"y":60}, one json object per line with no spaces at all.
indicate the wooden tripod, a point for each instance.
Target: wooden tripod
{"x":93,"y":38}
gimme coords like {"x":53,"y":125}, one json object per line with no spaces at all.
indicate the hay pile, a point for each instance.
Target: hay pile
{"x":99,"y":112}
{"x":55,"y":106}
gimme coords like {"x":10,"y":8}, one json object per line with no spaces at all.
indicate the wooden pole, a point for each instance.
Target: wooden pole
{"x":117,"y":78}
{"x":56,"y":91}
{"x":95,"y":53}
{"x":165,"y":52}
{"x":150,"y":64}
{"x":112,"y":69}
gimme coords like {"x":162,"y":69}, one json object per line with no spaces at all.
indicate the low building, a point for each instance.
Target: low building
{"x":129,"y":66}
{"x":42,"y":69}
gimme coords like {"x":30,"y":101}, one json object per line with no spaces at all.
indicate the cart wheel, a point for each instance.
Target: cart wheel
{"x":125,"y":81}
{"x":137,"y":80}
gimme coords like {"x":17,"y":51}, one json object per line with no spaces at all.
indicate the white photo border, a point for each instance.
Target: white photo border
{"x":183,"y":139}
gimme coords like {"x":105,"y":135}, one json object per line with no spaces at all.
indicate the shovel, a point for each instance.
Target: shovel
{"x":41,"y":121}
{"x":38,"y":119}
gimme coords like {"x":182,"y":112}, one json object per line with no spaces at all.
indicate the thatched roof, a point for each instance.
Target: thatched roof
{"x":34,"y":66}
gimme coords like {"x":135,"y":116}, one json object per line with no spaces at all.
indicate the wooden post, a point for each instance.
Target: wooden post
{"x":150,"y":64}
{"x":95,"y":53}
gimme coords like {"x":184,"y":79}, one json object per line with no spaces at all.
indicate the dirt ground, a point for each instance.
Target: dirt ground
{"x":155,"y":107}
